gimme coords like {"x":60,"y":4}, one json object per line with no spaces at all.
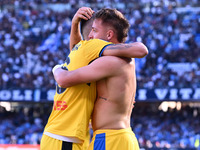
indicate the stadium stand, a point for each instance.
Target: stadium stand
{"x":154,"y":128}
{"x":34,"y":38}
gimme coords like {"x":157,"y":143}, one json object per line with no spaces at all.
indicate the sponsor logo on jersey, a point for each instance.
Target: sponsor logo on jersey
{"x":60,"y":105}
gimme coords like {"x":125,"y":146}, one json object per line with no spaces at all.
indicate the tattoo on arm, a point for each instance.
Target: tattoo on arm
{"x":119,"y":46}
{"x":102,"y":98}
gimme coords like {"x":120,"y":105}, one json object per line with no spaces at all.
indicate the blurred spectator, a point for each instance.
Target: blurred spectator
{"x":23,"y":126}
{"x":171,"y":129}
{"x":153,"y":128}
{"x":34,"y":37}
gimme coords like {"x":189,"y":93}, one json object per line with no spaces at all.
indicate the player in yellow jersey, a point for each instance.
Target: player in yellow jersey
{"x":116,"y":87}
{"x":68,"y":123}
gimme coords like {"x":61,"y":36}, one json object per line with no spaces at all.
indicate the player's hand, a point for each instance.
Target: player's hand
{"x":82,"y":13}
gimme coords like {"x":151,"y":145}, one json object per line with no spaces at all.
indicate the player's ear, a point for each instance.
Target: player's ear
{"x":110,"y":34}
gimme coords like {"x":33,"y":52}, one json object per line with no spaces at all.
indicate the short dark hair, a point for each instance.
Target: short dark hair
{"x":83,"y":24}
{"x":115,"y":19}
{"x":85,"y":28}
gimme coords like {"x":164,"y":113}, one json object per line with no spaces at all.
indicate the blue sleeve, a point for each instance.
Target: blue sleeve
{"x":101,"y":52}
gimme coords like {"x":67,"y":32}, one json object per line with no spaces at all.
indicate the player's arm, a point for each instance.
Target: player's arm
{"x":97,"y":70}
{"x":131,"y":50}
{"x":75,"y":35}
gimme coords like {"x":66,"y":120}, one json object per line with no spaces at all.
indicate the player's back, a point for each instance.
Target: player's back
{"x":116,"y":94}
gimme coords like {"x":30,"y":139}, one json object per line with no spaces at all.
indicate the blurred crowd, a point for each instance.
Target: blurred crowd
{"x":23,"y":125}
{"x":34,"y":38}
{"x":171,"y":129}
{"x":153,"y":128}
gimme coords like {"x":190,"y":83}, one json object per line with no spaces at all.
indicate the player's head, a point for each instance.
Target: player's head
{"x":86,"y":26}
{"x":110,"y":25}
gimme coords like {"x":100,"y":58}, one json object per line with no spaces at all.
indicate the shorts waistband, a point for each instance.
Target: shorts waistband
{"x":111,"y":132}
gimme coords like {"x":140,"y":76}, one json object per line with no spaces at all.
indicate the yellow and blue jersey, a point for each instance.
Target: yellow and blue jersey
{"x":73,"y":106}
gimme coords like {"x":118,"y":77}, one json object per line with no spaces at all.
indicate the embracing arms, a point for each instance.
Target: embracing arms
{"x":69,"y":78}
{"x":130,"y":50}
{"x":97,"y":70}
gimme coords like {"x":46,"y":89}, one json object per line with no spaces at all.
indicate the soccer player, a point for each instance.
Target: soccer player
{"x":68,"y":123}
